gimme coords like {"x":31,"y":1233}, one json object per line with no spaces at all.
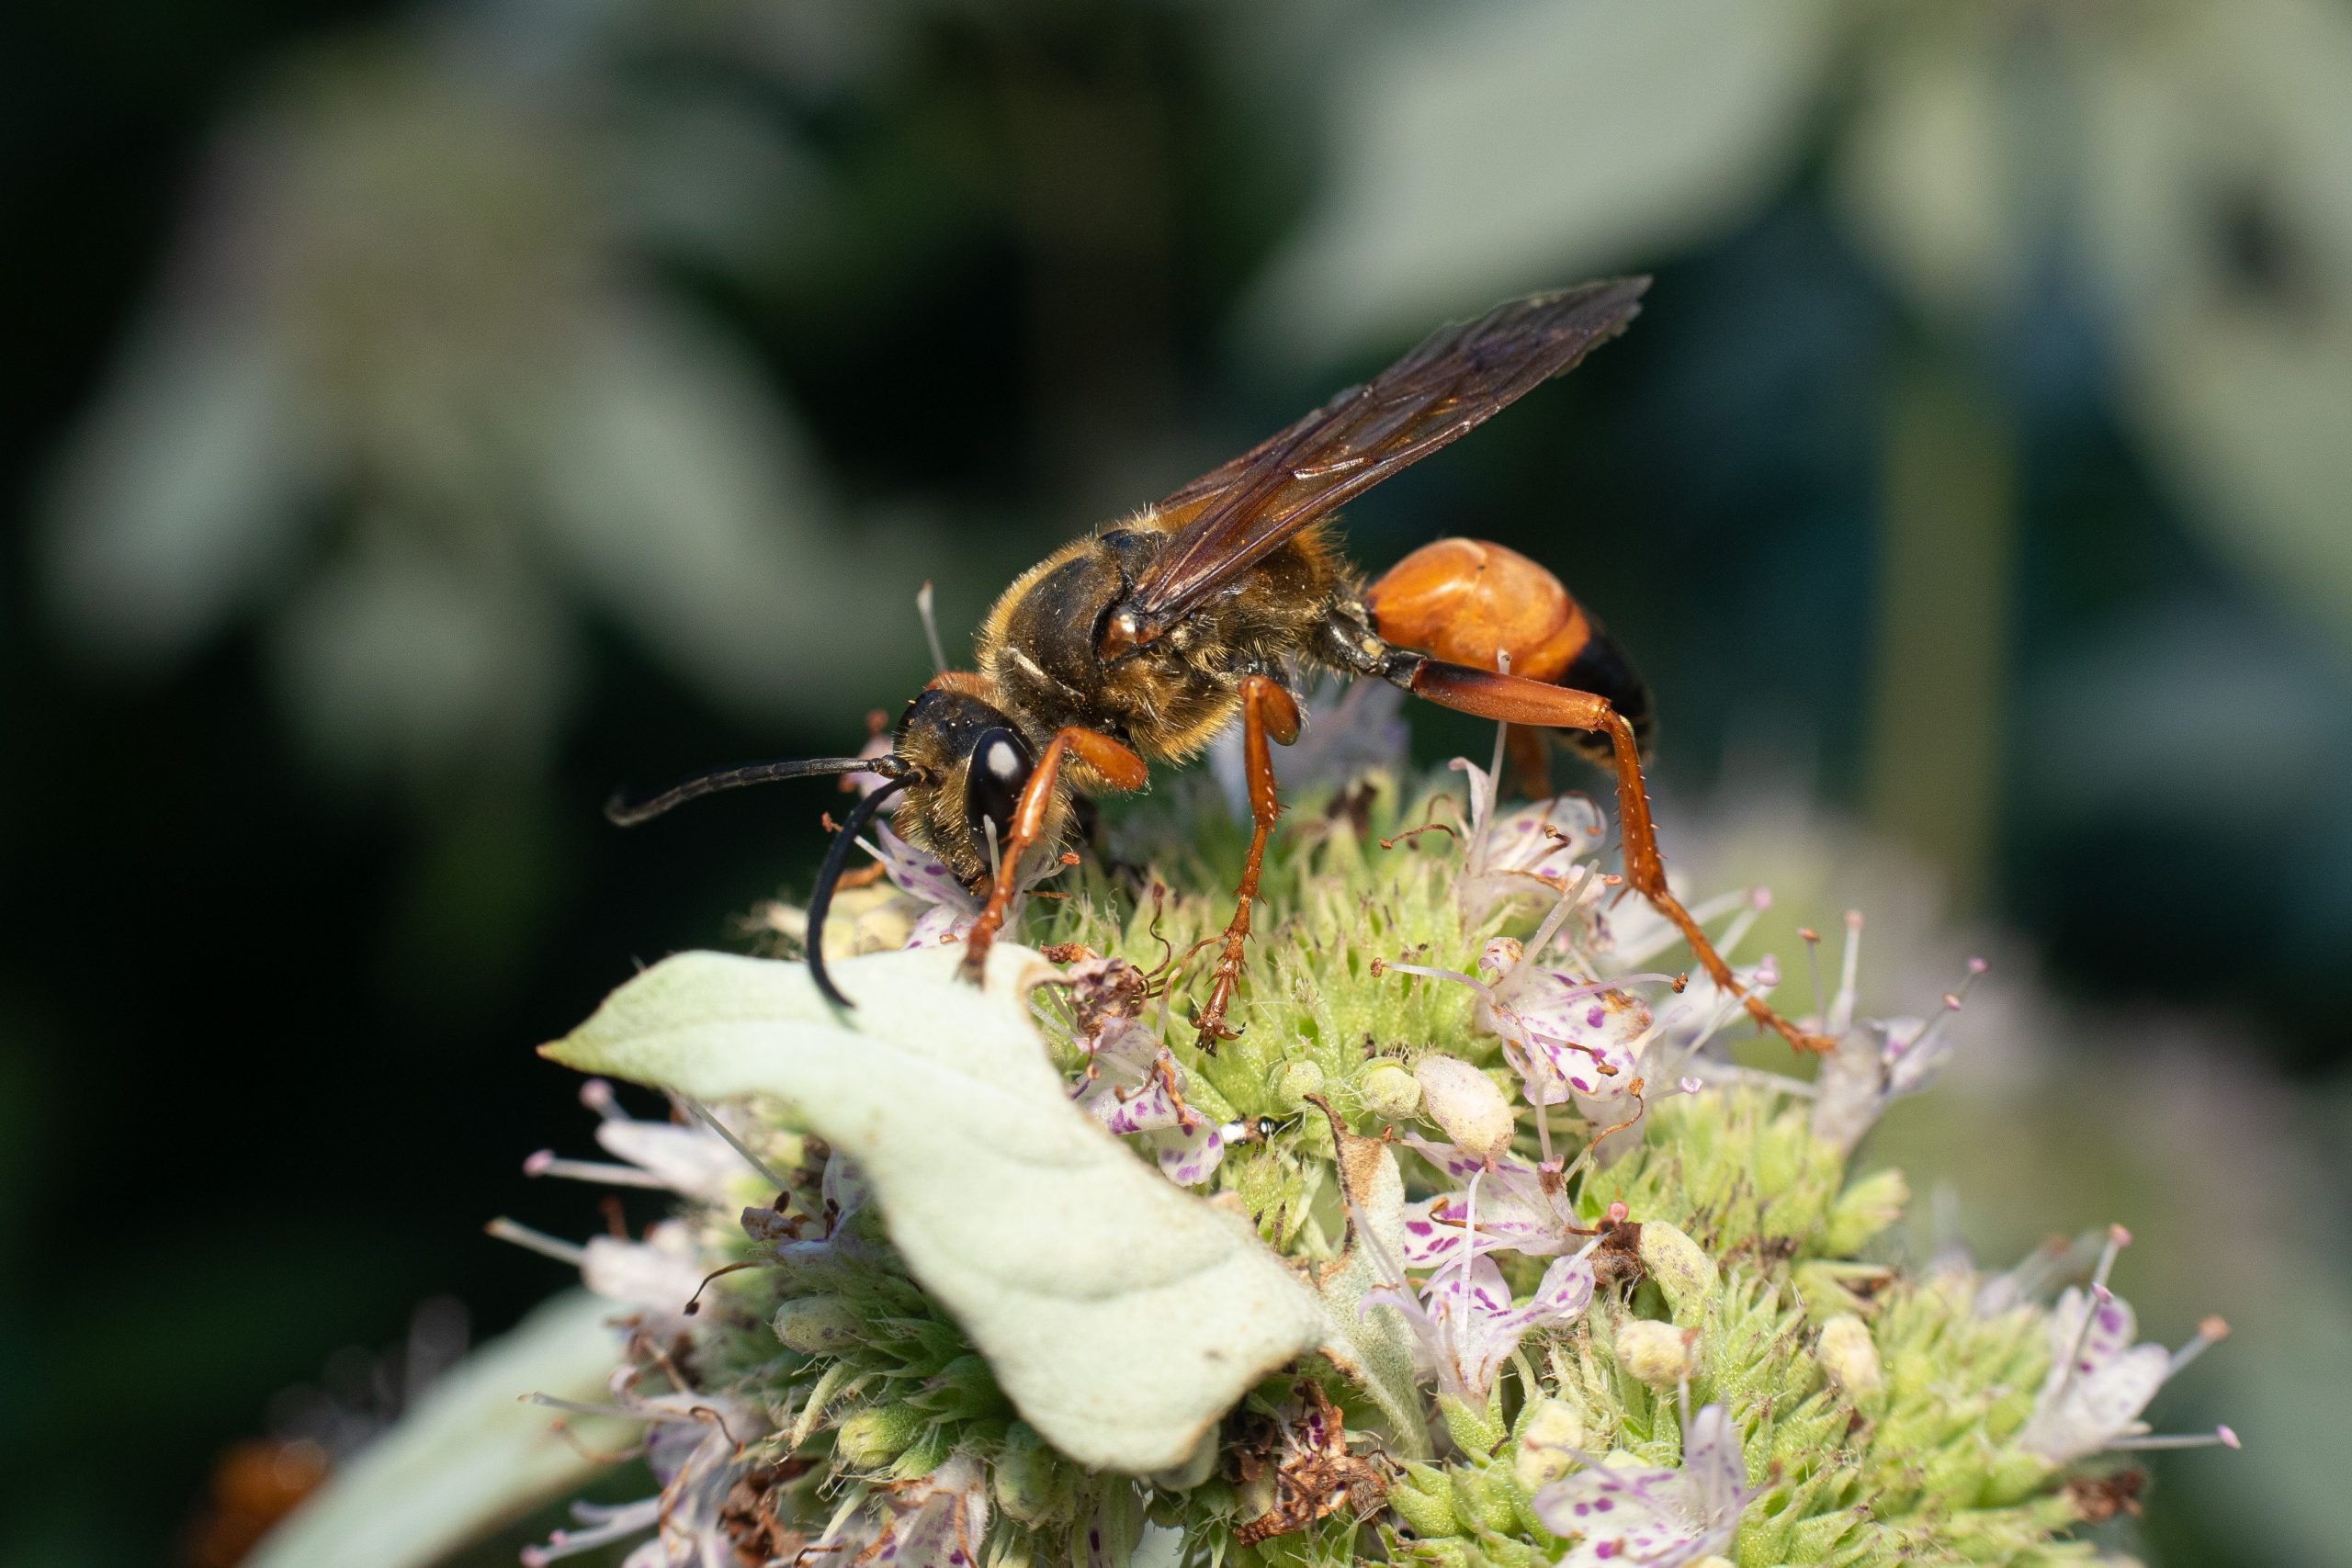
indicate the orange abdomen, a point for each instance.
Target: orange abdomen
{"x":1467,"y":601}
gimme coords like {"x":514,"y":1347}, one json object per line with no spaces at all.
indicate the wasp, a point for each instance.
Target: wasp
{"x":1145,"y":640}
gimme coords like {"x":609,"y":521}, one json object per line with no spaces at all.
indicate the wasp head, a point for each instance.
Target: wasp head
{"x":967,"y":765}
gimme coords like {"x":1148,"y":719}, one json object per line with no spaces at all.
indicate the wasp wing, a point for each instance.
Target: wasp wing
{"x":1229,"y":519}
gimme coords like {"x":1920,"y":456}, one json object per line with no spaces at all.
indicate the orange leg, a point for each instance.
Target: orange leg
{"x":1517,"y":701}
{"x":1117,"y":767}
{"x":1266,"y":711}
{"x":1530,"y":762}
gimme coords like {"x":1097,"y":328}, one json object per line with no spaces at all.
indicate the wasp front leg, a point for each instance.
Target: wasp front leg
{"x":1117,"y":767}
{"x":1267,"y":711}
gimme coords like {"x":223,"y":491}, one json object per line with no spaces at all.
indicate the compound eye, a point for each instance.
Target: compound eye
{"x":999,"y":770}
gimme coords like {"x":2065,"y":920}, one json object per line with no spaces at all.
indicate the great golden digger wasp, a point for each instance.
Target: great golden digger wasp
{"x":1141,"y":641}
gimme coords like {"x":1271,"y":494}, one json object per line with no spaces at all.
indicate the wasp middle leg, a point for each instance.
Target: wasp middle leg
{"x":1267,"y":711}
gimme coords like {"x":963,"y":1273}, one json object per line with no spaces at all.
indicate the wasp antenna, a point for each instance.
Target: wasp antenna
{"x":931,"y":629}
{"x":623,"y":815}
{"x":836,"y":861}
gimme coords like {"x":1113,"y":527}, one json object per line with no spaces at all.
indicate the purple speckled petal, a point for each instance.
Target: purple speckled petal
{"x":1190,"y":1159}
{"x":1633,"y":1515}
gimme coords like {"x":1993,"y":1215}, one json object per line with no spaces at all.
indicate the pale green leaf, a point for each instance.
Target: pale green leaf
{"x":1122,"y":1315}
{"x":469,"y":1456}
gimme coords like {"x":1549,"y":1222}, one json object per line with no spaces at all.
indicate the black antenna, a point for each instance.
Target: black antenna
{"x":623,"y":815}
{"x":821,"y":900}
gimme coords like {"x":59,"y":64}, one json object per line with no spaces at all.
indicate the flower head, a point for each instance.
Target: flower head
{"x":1638,"y":1515}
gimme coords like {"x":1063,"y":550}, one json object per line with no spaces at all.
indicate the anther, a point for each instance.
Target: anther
{"x":2209,"y":1332}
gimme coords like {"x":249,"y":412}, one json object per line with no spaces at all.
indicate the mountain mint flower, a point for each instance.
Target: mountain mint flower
{"x":1132,"y":1085}
{"x":1520,"y":1208}
{"x":2099,"y":1381}
{"x":1465,"y":1323}
{"x":1878,"y":1061}
{"x":984,"y":1276}
{"x":1543,"y":850}
{"x":697,"y":1448}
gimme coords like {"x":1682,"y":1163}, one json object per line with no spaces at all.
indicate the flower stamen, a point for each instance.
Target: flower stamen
{"x":531,"y":1240}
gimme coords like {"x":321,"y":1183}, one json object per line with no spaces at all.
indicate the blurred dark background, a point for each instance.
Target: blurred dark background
{"x":417,"y":421}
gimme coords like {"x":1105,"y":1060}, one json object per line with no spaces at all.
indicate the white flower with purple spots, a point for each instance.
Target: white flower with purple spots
{"x":952,"y":908}
{"x":1530,"y":850}
{"x":1566,"y":1039}
{"x":1128,"y":1087}
{"x":938,"y":1521}
{"x":697,"y":1446}
{"x":1464,"y":1324}
{"x":2099,"y":1381}
{"x":1639,"y":1515}
{"x":1877,"y":1061}
{"x":1520,"y":1208}
{"x":699,"y":1159}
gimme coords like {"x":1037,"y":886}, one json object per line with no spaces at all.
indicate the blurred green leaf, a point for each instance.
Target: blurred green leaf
{"x":469,"y":1456}
{"x":1477,"y":149}
{"x":676,"y":490}
{"x":179,"y":500}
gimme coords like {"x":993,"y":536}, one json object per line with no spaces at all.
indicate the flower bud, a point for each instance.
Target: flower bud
{"x":1863,"y":1209}
{"x":1196,"y":1469}
{"x":1295,"y":1081}
{"x":1468,"y":1104}
{"x":815,"y":1324}
{"x":1474,"y":1429}
{"x":1656,"y":1353}
{"x":1849,"y":1358}
{"x":1423,"y":1498}
{"x":879,"y":1434}
{"x":1026,"y":1479}
{"x":1547,"y":1433}
{"x":1389,"y":1091}
{"x":1685,"y":1274}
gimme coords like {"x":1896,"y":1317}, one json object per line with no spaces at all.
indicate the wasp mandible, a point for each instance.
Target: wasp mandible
{"x":1143,"y":640}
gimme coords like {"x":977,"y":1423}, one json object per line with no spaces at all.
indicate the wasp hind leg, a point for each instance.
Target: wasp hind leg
{"x":1516,"y":701}
{"x":1267,"y":712}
